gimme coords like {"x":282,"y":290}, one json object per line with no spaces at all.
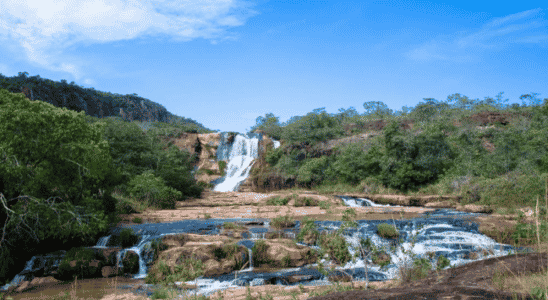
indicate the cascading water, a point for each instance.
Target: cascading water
{"x":441,"y":233}
{"x":240,"y":155}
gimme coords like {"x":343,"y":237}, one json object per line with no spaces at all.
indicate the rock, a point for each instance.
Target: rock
{"x":475,"y":278}
{"x":440,"y":204}
{"x":218,"y":254}
{"x":109,"y":271}
{"x":22,"y":286}
{"x":474,"y":208}
{"x":277,"y":250}
{"x":107,"y":255}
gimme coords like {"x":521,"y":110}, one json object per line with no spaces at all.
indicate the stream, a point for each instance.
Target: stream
{"x":444,"y":232}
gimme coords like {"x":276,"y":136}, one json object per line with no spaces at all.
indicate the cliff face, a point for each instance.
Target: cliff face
{"x":92,"y":102}
{"x":205,"y":146}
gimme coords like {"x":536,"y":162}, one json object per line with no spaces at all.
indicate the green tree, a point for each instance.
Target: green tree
{"x":413,"y":161}
{"x":354,"y":163}
{"x":314,"y":127}
{"x":174,"y":166}
{"x":131,"y":149}
{"x":270,"y":124}
{"x":376,"y":108}
{"x":50,"y":153}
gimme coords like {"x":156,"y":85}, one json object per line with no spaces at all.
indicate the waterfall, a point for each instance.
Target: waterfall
{"x":20,"y":277}
{"x":103,"y":241}
{"x":240,"y":155}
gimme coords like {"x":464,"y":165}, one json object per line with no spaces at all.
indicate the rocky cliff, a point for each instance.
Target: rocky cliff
{"x":93,"y":103}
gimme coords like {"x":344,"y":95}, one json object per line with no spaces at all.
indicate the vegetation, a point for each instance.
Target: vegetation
{"x":81,"y":172}
{"x":386,"y":230}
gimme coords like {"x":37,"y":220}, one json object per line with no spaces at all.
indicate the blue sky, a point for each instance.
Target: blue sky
{"x":224,"y":63}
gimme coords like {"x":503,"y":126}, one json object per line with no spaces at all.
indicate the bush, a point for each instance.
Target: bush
{"x":312,"y":172}
{"x":306,"y":201}
{"x":278,"y":201}
{"x":354,"y":163}
{"x":147,"y":187}
{"x":335,"y":245}
{"x":386,"y":230}
{"x":307,"y":227}
{"x":414,"y":161}
{"x":259,"y":251}
{"x":128,"y":238}
{"x":420,"y":269}
{"x":222,"y":167}
{"x":442,"y":262}
{"x":82,"y":256}
{"x":174,"y":167}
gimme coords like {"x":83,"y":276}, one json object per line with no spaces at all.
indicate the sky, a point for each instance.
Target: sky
{"x":224,"y":63}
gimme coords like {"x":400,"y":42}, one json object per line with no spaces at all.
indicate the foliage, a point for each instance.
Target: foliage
{"x":82,"y":256}
{"x":314,"y":127}
{"x":259,"y":251}
{"x":307,"y":226}
{"x":128,"y":238}
{"x":270,"y":124}
{"x":273,"y":156}
{"x":222,"y":167}
{"x":335,"y":245}
{"x":147,"y":187}
{"x":442,"y":262}
{"x":312,"y":172}
{"x":420,"y":269}
{"x":174,"y":167}
{"x":411,"y":162}
{"x":278,"y":201}
{"x":354,"y":164}
{"x":386,"y":230}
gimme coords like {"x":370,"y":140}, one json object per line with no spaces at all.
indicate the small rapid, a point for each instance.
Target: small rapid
{"x":439,"y":233}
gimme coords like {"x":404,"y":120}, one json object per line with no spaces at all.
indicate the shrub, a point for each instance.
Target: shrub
{"x":222,"y":167}
{"x":307,"y":227}
{"x":420,"y":269}
{"x":278,"y":201}
{"x":442,"y":262}
{"x":413,"y":161}
{"x":305,"y":201}
{"x":82,"y":256}
{"x":259,"y":251}
{"x":335,"y":245}
{"x":282,"y":222}
{"x":147,"y":187}
{"x":128,"y":238}
{"x":386,"y":230}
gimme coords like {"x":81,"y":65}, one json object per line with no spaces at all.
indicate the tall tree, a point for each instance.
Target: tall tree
{"x":376,"y":108}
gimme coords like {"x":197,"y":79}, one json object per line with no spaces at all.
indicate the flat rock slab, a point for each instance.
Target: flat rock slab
{"x":470,"y":281}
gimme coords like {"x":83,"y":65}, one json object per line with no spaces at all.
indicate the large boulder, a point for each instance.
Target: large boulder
{"x":281,"y":253}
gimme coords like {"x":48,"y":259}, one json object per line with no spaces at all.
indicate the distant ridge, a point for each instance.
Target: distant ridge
{"x":92,"y":102}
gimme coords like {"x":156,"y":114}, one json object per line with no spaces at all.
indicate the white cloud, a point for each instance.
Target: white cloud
{"x":44,"y":29}
{"x":496,"y":34}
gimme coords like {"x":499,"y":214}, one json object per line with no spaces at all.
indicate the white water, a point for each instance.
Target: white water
{"x":240,"y":155}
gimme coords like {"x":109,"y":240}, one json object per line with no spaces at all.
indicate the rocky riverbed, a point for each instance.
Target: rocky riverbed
{"x":230,"y":205}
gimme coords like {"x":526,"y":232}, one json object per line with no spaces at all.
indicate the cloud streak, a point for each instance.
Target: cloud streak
{"x":44,"y":29}
{"x":520,"y":28}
